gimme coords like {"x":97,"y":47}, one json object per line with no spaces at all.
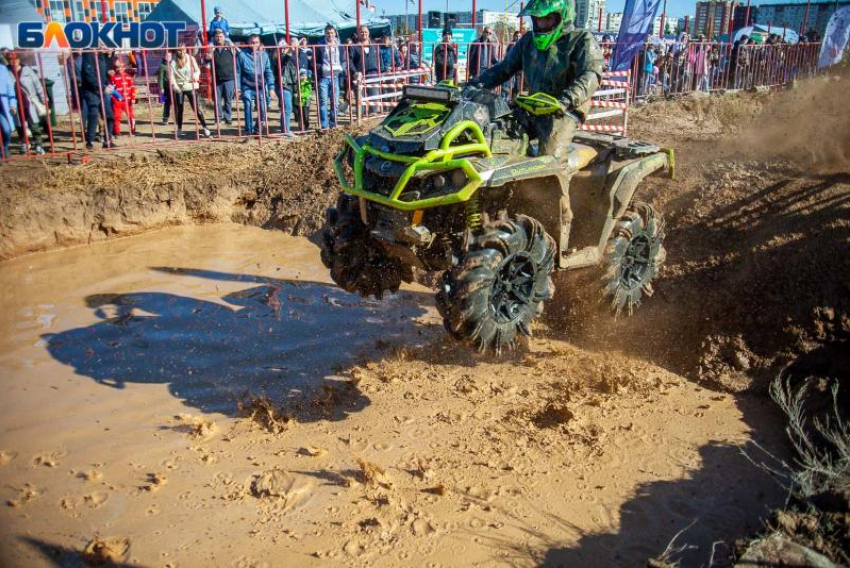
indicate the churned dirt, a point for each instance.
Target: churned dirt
{"x":322,"y":429}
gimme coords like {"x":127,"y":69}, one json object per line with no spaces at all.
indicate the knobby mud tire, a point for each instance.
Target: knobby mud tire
{"x":472,"y":297}
{"x":358,"y":263}
{"x":633,"y":257}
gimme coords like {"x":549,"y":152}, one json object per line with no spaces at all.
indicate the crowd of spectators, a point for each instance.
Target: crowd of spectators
{"x":222,"y":82}
{"x":699,"y":64}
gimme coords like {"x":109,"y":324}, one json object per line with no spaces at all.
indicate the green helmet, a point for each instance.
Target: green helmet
{"x":542,"y":8}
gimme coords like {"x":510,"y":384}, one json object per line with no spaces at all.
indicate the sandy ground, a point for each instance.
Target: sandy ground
{"x":201,"y":396}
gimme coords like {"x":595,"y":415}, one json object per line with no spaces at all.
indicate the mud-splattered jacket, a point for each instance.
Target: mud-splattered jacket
{"x":570,"y":70}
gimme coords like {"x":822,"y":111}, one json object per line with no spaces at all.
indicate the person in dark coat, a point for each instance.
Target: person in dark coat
{"x":286,"y":74}
{"x":96,"y":92}
{"x":445,"y":59}
{"x":483,"y":54}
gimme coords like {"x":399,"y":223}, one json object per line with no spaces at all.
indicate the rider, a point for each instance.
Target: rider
{"x":556,"y":59}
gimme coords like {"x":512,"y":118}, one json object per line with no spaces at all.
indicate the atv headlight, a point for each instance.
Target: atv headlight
{"x":431,"y":94}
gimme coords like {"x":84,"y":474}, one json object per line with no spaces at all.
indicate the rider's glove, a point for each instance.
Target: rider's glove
{"x":470,"y":89}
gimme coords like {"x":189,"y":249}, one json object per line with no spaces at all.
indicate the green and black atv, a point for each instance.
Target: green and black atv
{"x":452,"y":183}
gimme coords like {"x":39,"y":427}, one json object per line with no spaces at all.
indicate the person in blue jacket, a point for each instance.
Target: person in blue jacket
{"x":8,"y":106}
{"x":219,"y":22}
{"x":390,"y":58}
{"x":255,"y":80}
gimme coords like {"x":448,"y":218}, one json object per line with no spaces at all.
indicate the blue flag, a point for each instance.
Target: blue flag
{"x":638,"y":16}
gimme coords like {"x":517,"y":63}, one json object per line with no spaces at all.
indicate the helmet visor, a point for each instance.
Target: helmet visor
{"x":546,"y":24}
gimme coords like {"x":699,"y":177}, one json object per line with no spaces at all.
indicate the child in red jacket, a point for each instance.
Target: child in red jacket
{"x":123,"y":98}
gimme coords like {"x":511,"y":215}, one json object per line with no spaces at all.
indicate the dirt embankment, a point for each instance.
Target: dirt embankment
{"x":285,"y":186}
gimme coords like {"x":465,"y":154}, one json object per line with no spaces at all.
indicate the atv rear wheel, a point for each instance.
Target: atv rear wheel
{"x":357,"y":262}
{"x":499,"y":285}
{"x":633,"y":257}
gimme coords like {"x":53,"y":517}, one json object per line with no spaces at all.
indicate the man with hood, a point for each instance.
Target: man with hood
{"x":556,"y":59}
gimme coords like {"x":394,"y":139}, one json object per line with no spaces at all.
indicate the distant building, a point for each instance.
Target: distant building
{"x":613,"y":21}
{"x":793,"y":14}
{"x":739,"y":16}
{"x":713,"y":18}
{"x":91,"y":10}
{"x":587,"y":13}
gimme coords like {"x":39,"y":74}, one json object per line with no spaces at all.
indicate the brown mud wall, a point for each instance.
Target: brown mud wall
{"x":285,"y":186}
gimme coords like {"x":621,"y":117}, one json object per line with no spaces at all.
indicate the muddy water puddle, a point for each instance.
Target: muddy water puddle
{"x":208,"y":312}
{"x":121,"y":365}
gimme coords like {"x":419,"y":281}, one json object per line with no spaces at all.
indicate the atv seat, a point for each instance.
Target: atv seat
{"x":580,"y":155}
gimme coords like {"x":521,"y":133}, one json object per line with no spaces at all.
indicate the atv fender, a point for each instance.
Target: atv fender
{"x":621,"y":189}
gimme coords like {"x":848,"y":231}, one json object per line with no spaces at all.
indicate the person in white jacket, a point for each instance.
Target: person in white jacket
{"x":33,"y":106}
{"x":184,"y":75}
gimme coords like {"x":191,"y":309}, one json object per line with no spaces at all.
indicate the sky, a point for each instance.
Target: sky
{"x":675,"y":8}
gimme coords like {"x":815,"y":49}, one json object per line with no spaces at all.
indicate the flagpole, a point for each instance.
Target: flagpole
{"x":419,"y":23}
{"x":663,"y":17}
{"x":358,"y":17}
{"x":473,"y":14}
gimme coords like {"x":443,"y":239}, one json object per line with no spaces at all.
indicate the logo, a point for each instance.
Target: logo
{"x":83,"y":35}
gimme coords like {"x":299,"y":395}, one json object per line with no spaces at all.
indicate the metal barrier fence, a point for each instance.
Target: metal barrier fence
{"x":141,"y":96}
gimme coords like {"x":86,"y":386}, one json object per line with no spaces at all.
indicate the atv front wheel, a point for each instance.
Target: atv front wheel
{"x":633,"y":257}
{"x":357,"y":262}
{"x":499,"y":285}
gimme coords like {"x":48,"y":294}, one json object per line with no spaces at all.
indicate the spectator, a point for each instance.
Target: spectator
{"x":482,"y":53}
{"x":33,"y":108}
{"x":123,"y":98}
{"x":184,"y":75}
{"x":648,"y":70}
{"x":255,"y":80}
{"x":665,"y":67}
{"x":607,"y":50}
{"x":390,"y":58}
{"x":305,"y":95}
{"x":165,"y":92}
{"x":330,"y":61}
{"x":219,"y":22}
{"x":410,"y":60}
{"x":286,"y":75}
{"x":8,"y":107}
{"x":445,"y":59}
{"x":222,"y":58}
{"x":305,"y":57}
{"x":365,"y":62}
{"x":96,"y":91}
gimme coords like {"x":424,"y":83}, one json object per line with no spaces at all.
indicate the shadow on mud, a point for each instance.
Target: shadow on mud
{"x":63,"y":557}
{"x":280,"y":339}
{"x":755,"y":276}
{"x":711,"y":507}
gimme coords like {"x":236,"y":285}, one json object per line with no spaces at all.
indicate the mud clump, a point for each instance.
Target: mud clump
{"x":262,"y":411}
{"x":286,"y":489}
{"x":107,"y":551}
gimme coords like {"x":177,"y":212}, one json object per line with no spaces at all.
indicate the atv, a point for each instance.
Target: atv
{"x":451,"y":182}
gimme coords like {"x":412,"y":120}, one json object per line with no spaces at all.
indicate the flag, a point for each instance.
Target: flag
{"x":636,"y":25}
{"x":835,"y":39}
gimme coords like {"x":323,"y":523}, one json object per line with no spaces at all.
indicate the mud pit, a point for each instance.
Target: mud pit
{"x":204,"y":395}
